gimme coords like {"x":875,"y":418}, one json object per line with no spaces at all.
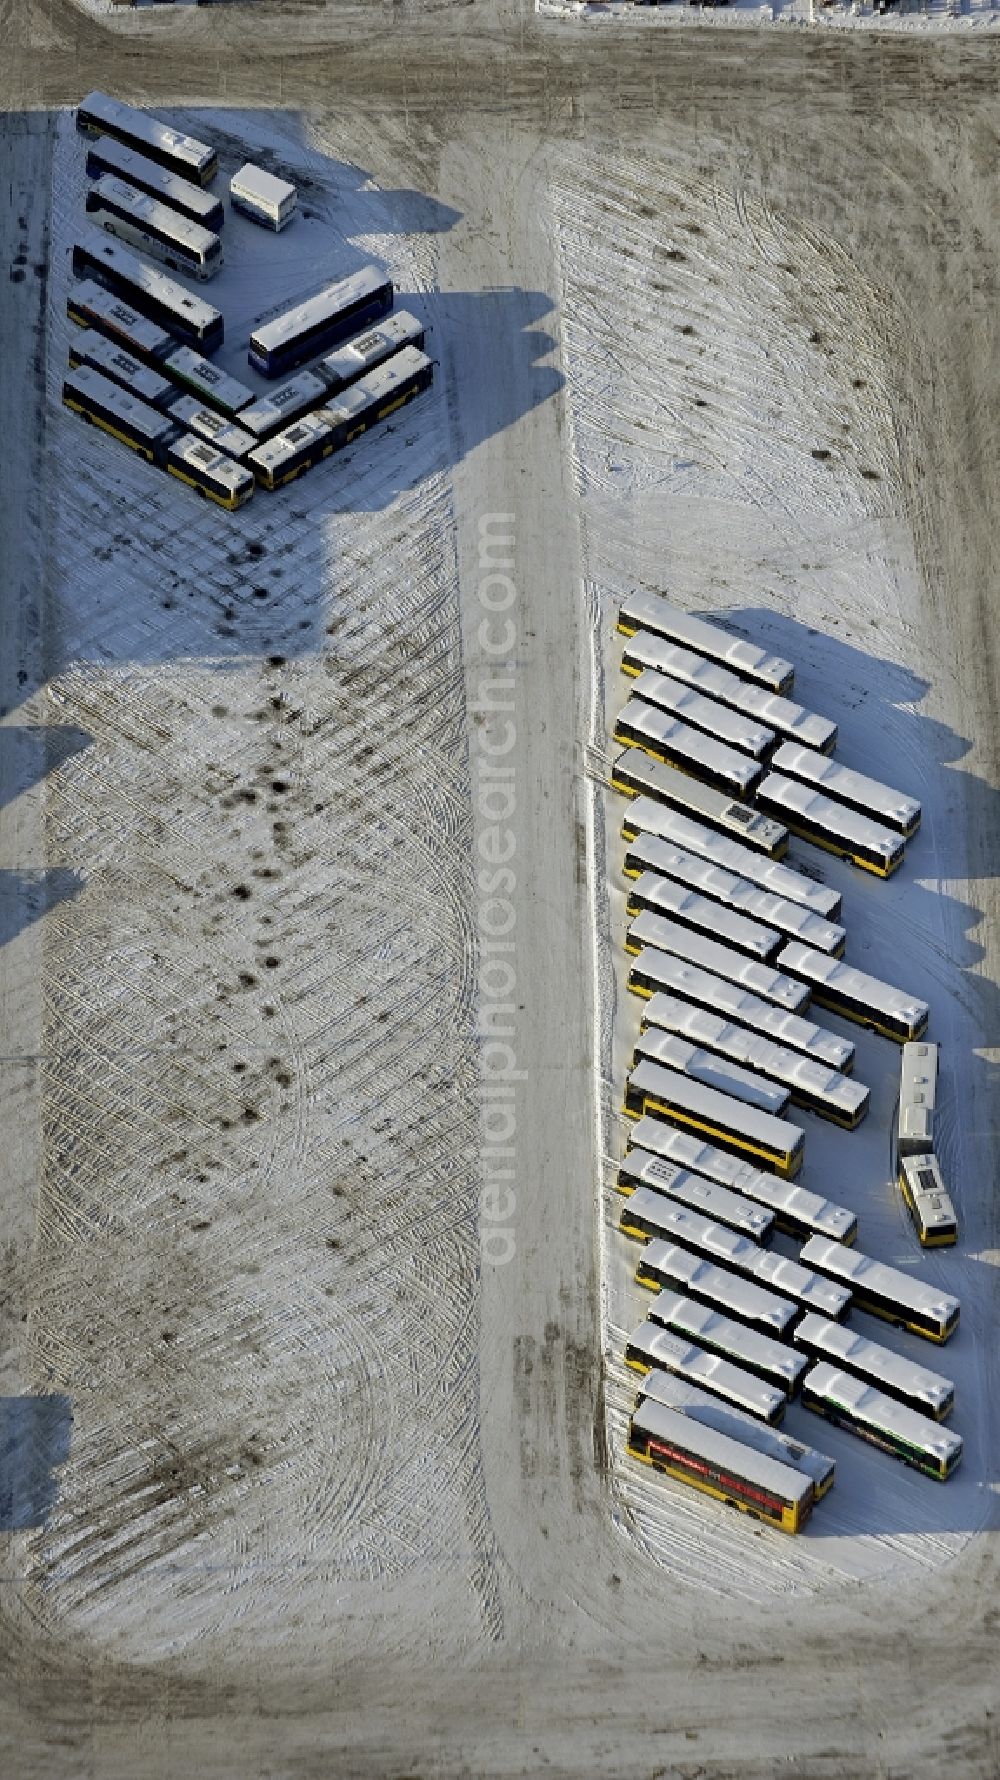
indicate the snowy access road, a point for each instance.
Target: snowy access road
{"x":534,"y":1610}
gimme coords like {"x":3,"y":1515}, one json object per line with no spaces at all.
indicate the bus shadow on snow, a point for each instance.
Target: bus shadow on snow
{"x":256,"y":582}
{"x":29,"y":752}
{"x":25,"y":896}
{"x":34,"y":1442}
{"x":916,"y":932}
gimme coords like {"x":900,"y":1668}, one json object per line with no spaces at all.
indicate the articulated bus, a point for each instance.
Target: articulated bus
{"x":922,"y":1390}
{"x":714,"y":1071}
{"x":88,"y":347}
{"x":918,"y":1074}
{"x":652,"y":786}
{"x":99,"y":115}
{"x":91,"y":306}
{"x":709,"y":954}
{"x":203,"y":379}
{"x":731,"y":1123}
{"x":156,"y":228}
{"x":221,"y":432}
{"x":150,"y":291}
{"x":821,"y":1090}
{"x":717,"y":721}
{"x":675,"y":1223}
{"x":291,"y":453}
{"x":105,"y":404}
{"x":831,"y":825}
{"x":664,"y":1265}
{"x":686,"y":1399}
{"x":928,"y":1201}
{"x":885,"y":1291}
{"x":688,"y":750}
{"x":855,"y":995}
{"x":662,"y":896}
{"x":210,"y":472}
{"x":774,"y":1361}
{"x":651,"y":1345}
{"x":378,"y":394}
{"x":653,"y":855}
{"x":788,"y":720}
{"x":641,"y":1168}
{"x":362,"y":354}
{"x":277,"y":410}
{"x":851,"y":1403}
{"x":867,"y":796}
{"x":797,"y":1212}
{"x":650,"y":611}
{"x":731,"y":1470}
{"x":199,"y":206}
{"x":658,"y":973}
{"x":646,"y":819}
{"x":312,"y":327}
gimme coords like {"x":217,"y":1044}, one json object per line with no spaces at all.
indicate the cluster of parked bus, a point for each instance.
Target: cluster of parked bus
{"x":137,"y":364}
{"x":728,"y":948}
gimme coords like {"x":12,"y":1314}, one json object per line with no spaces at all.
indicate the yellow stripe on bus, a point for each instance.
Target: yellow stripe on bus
{"x":785,"y":1165}
{"x":791,"y":1518}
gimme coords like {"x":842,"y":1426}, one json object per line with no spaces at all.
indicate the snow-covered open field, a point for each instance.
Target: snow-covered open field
{"x":338,"y":1495}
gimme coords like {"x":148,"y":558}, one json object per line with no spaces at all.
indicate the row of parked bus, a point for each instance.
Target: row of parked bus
{"x":720,"y":711}
{"x":728,"y":948}
{"x":137,"y":367}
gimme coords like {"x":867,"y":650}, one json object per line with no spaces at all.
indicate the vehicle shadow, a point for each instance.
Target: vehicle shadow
{"x":28,"y":752}
{"x":25,"y":896}
{"x":34,"y":1441}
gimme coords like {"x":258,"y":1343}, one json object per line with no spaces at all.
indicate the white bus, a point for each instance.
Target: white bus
{"x":928,"y":1201}
{"x":790,"y":1279}
{"x":654,"y":895}
{"x":270,"y":414}
{"x":664,"y":1265}
{"x":823,"y":1091}
{"x":650,"y":611}
{"x":262,"y":197}
{"x":879,"y":1419}
{"x":687,"y":1400}
{"x":717,"y":720}
{"x":641,"y":1168}
{"x":144,"y":222}
{"x":99,"y":115}
{"x":647,"y":819}
{"x":732,"y":1124}
{"x":922,"y":1389}
{"x":203,"y":379}
{"x":641,"y":725}
{"x":831,"y":825}
{"x":885,"y":1291}
{"x":797,"y":1212}
{"x":651,"y":1345}
{"x":651,"y":854}
{"x":917,"y":1097}
{"x":658,"y":973}
{"x":867,"y":796}
{"x":714,"y":1071}
{"x":91,"y":306}
{"x":365,"y":351}
{"x":732,"y":1470}
{"x":88,"y":347}
{"x":856,"y":995}
{"x":671,"y":936}
{"x":210,"y":472}
{"x":223,"y":433}
{"x":645,"y":651}
{"x":150,"y":291}
{"x":771,"y":1360}
{"x":199,"y":206}
{"x":290,"y":454}
{"x":310,"y":328}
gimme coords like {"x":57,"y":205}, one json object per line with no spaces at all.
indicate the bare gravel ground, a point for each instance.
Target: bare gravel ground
{"x":531,"y":1635}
